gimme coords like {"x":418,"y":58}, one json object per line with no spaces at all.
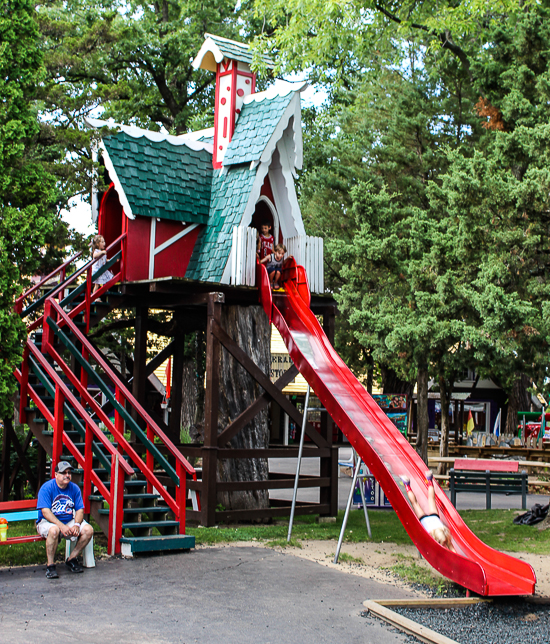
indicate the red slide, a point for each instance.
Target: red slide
{"x":382,"y":447}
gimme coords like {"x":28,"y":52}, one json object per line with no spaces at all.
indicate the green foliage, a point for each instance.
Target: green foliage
{"x":27,"y":190}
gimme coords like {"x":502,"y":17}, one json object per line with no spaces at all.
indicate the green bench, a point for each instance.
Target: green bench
{"x":487,"y":476}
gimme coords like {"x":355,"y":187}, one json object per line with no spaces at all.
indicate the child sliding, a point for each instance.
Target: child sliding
{"x":430,"y":522}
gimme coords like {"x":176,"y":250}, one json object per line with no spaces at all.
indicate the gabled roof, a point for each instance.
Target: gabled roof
{"x":216,"y":48}
{"x":158,"y":175}
{"x":231,"y":191}
{"x":264,"y":117}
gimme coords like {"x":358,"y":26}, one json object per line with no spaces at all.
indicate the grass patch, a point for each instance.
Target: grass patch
{"x":412,"y":573}
{"x":345,"y":558}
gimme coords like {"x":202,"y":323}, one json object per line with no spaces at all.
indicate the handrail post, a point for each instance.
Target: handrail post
{"x":88,"y":296}
{"x":24,"y":386}
{"x":59,"y":422}
{"x":116,"y":506}
{"x":88,"y":458}
{"x":150,"y":460}
{"x":181,"y":495}
{"x":119,"y":420}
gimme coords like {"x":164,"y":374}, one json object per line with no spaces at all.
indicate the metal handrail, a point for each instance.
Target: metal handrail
{"x":19,"y":300}
{"x":96,"y":355}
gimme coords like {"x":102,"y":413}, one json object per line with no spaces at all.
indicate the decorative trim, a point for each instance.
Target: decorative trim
{"x":116,"y":181}
{"x":155,"y":137}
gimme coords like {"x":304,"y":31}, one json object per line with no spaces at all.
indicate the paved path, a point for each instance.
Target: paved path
{"x":212,"y":596}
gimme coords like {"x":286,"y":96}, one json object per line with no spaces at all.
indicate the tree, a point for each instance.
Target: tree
{"x":497,"y":201}
{"x":27,"y":189}
{"x":386,"y":247}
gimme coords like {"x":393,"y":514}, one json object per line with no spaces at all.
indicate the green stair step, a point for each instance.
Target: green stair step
{"x":128,"y":497}
{"x":157,"y":543}
{"x":148,"y":510}
{"x":133,"y":525}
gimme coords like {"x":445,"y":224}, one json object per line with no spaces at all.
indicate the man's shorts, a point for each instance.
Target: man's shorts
{"x":44,"y":527}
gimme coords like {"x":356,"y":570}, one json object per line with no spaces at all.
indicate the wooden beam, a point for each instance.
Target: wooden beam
{"x":174,"y":422}
{"x":161,"y":357}
{"x":255,"y":408}
{"x":211,"y":411}
{"x":266,"y":383}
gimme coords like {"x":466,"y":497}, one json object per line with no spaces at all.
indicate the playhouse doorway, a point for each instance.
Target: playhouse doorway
{"x":265,"y":212}
{"x":111,"y":215}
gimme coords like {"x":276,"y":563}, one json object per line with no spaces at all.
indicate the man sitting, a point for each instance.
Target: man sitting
{"x":61,"y":515}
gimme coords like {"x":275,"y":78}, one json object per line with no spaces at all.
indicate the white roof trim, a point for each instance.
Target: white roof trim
{"x":280,"y":88}
{"x":208,"y":46}
{"x":116,"y":181}
{"x":292,"y":108}
{"x":156,"y":137}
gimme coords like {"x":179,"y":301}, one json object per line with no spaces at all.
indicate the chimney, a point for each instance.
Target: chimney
{"x":234,"y":81}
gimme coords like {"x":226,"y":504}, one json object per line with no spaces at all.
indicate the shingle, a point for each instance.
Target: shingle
{"x":156,"y":177}
{"x":255,"y":126}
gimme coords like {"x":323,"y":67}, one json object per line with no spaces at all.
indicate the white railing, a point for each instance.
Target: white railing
{"x":243,"y":256}
{"x":308,"y":251}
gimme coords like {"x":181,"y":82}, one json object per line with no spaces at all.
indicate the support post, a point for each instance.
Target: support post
{"x":211,"y":409}
{"x":177,"y":384}
{"x":329,"y":465}
{"x":140,"y":361}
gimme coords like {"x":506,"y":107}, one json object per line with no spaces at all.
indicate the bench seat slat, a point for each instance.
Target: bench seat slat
{"x":24,"y":539}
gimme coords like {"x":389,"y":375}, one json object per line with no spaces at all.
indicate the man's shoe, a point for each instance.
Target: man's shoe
{"x":51,"y":572}
{"x":74,"y":566}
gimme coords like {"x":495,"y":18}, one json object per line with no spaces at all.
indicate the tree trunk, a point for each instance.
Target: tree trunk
{"x":445,"y":394}
{"x":393,"y":384}
{"x":518,"y":400}
{"x":249,"y":327}
{"x":422,"y":413}
{"x":196,"y":429}
{"x":189,"y":394}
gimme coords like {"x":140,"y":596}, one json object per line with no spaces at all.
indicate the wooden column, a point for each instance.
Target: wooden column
{"x":174,"y":423}
{"x":139,"y":381}
{"x":211,"y":406}
{"x":329,"y":465}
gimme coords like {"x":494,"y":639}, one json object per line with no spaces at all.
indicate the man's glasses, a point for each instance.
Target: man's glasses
{"x":65,"y":473}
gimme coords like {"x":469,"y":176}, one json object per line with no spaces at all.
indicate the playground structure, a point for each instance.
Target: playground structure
{"x":179,"y":220}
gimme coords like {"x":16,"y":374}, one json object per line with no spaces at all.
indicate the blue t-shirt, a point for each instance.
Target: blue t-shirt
{"x":63,"y":503}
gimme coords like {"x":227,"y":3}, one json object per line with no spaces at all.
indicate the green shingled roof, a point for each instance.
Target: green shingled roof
{"x":237,"y":50}
{"x":161,"y":179}
{"x":230,"y":193}
{"x":255,"y":126}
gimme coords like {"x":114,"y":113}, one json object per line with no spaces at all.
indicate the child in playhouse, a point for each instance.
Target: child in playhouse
{"x":274,"y":266}
{"x":98,"y":251}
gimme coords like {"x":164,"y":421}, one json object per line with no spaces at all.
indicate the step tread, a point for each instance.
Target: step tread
{"x":128,"y":497}
{"x":132,"y":525}
{"x":147,"y":510}
{"x":160,"y":543}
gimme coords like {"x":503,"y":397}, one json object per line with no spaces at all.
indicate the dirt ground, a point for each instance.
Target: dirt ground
{"x":378,"y":559}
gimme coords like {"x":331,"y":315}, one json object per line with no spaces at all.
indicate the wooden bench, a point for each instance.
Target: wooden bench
{"x":488,"y":476}
{"x":19,"y":511}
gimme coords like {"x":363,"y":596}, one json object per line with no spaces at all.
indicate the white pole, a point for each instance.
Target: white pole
{"x":300,"y":450}
{"x":348,"y":506}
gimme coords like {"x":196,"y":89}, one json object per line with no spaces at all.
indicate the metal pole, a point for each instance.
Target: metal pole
{"x":362,"y":490}
{"x":300,"y":450}
{"x":348,"y":506}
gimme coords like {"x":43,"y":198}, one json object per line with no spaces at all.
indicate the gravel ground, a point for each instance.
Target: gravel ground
{"x":503,"y":621}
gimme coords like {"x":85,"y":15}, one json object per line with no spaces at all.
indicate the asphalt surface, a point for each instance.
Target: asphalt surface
{"x":230,"y":595}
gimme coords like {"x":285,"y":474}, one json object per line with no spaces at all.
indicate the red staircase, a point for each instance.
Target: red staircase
{"x":132,"y":476}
